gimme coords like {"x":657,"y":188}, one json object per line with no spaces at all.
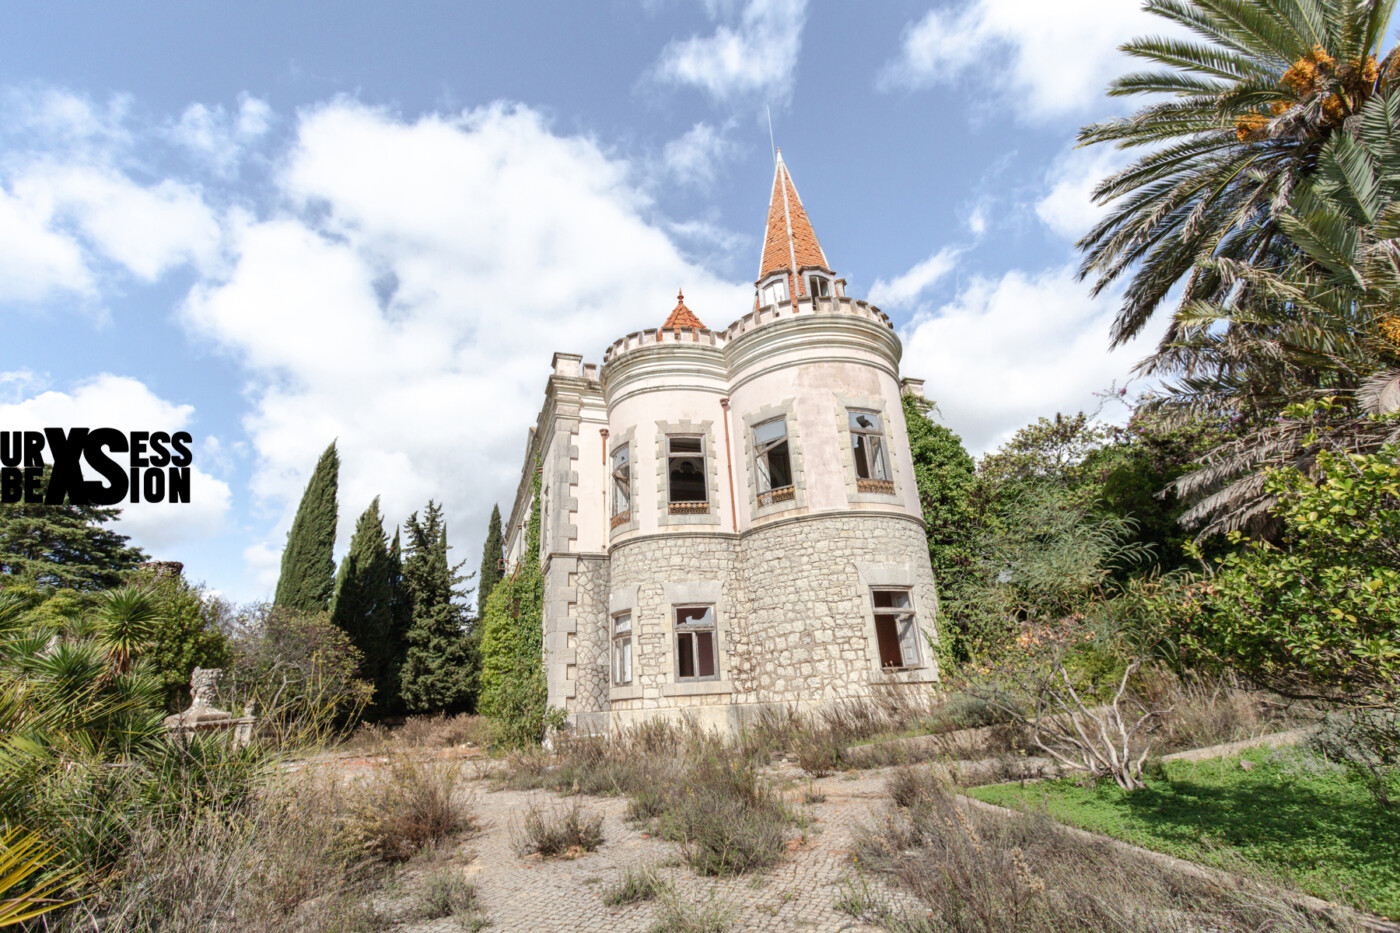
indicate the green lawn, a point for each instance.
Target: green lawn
{"x":1292,"y":814}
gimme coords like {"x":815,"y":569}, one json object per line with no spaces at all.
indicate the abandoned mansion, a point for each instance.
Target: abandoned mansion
{"x":728,"y":518}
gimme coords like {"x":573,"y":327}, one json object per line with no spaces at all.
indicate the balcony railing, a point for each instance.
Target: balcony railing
{"x":781,"y":494}
{"x":622,"y":518}
{"x":883,"y":486}
{"x":690,"y":508}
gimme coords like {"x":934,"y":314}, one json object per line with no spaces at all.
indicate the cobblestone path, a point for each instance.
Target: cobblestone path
{"x":523,"y":895}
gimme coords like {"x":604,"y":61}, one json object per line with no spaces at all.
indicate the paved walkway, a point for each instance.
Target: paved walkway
{"x":538,"y":896}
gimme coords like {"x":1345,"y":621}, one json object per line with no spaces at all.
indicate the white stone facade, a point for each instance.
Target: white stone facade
{"x":809,"y":587}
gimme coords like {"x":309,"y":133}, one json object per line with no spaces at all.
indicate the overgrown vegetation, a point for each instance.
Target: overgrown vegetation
{"x":1287,"y":814}
{"x":974,"y":872}
{"x":559,"y":831}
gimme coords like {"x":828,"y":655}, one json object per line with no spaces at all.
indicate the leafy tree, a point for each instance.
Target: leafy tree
{"x":1315,"y":616}
{"x":491,"y":553}
{"x":439,"y":670}
{"x":297,"y":669}
{"x":1239,"y":113}
{"x":363,"y":604}
{"x":66,"y":546}
{"x":1054,"y":450}
{"x":945,"y":475}
{"x":307,"y":581}
{"x":513,"y":688}
{"x":187,"y":633}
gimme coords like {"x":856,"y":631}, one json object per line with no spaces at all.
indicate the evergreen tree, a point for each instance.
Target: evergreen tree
{"x":438,"y":673}
{"x":363,"y":603}
{"x":308,"y":569}
{"x":396,"y":641}
{"x":63,"y":546}
{"x":491,"y":554}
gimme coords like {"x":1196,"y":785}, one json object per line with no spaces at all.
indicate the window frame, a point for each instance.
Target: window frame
{"x":872,"y":484}
{"x":906,"y":642}
{"x":623,"y":640}
{"x":689,"y":506}
{"x":774,"y":291}
{"x":762,"y":466}
{"x":621,"y":516}
{"x":684,"y":630}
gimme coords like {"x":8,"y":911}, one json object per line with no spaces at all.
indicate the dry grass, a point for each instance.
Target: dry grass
{"x":678,"y":915}
{"x":435,"y":731}
{"x":405,"y":805}
{"x":975,"y":872}
{"x":558,"y":831}
{"x":447,"y":894}
{"x":635,"y":886}
{"x":305,"y":855}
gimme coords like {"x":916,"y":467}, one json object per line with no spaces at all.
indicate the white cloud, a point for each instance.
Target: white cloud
{"x":755,"y":55}
{"x":36,"y":262}
{"x":1005,"y":351}
{"x":148,"y":230}
{"x":1050,"y":58}
{"x":1069,"y":209}
{"x":409,"y":304}
{"x":220,"y":138}
{"x":905,"y":289}
{"x":694,"y":157}
{"x":120,"y":402}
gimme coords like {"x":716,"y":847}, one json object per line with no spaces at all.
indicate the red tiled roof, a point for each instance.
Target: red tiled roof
{"x":682,"y":316}
{"x":789,"y":242}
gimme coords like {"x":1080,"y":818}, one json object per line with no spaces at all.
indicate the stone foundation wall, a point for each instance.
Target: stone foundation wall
{"x":809,"y":611}
{"x":793,"y":612}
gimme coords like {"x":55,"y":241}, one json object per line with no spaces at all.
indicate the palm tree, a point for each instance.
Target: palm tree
{"x":1240,"y":114}
{"x":1320,"y":333}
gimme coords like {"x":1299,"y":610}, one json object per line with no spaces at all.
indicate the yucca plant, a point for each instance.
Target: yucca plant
{"x":29,"y":887}
{"x":1240,"y":112}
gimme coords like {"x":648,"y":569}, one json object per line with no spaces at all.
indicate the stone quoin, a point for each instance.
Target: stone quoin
{"x":729,"y":519}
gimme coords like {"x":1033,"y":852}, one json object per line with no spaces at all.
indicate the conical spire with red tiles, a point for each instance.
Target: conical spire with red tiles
{"x":682,"y":317}
{"x":789,"y":243}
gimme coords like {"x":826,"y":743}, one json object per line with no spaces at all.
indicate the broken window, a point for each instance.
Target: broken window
{"x":818,"y":286}
{"x":695,"y":643}
{"x":622,"y":649}
{"x":868,"y":447}
{"x":773,"y":462}
{"x":895,"y":628}
{"x":622,"y":486}
{"x":685,"y":463}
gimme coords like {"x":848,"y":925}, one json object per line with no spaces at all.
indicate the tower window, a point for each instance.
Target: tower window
{"x":622,"y":485}
{"x":868,"y":448}
{"x":685,"y":463}
{"x":622,"y":649}
{"x":774,"y":292}
{"x":695,"y":643}
{"x":774,"y":463}
{"x":895,"y":628}
{"x":818,"y":286}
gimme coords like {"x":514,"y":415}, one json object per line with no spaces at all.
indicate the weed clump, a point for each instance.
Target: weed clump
{"x":445,"y":893}
{"x":636,"y":886}
{"x":557,"y":832}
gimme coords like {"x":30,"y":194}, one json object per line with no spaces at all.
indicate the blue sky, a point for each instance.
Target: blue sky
{"x":277,"y":224}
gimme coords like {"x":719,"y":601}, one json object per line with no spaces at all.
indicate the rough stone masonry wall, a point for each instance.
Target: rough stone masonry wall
{"x":808,"y":617}
{"x":651,"y":564}
{"x":590,"y":638}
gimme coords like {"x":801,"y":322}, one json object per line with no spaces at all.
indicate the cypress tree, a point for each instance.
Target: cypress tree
{"x":396,"y":643}
{"x":490,"y":573}
{"x":438,"y":673}
{"x":308,"y":569}
{"x":363,"y":603}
